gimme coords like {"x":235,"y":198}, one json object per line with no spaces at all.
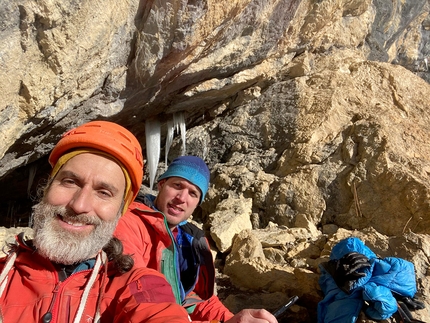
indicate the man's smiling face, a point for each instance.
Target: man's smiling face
{"x":177,"y":198}
{"x":80,"y":209}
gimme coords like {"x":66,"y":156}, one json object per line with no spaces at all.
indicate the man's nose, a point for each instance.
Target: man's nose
{"x":81,"y":201}
{"x":181,"y":195}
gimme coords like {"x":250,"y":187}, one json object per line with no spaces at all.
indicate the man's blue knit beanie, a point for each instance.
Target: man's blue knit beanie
{"x":191,"y":168}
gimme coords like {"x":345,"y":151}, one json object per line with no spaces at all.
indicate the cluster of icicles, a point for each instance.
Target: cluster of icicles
{"x":153,"y":141}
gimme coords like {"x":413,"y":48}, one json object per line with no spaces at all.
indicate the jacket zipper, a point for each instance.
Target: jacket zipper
{"x":175,"y":261}
{"x":48,"y":316}
{"x":52,"y":314}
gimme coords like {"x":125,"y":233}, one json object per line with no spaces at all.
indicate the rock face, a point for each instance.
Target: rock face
{"x":312,"y":115}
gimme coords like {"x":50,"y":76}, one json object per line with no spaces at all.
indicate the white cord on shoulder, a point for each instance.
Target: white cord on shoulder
{"x":101,"y":258}
{"x":8,"y":266}
{"x":3,"y":276}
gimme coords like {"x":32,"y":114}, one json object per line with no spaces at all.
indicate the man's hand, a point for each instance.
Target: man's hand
{"x":253,"y":316}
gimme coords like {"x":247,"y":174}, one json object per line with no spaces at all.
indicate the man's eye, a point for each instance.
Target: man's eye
{"x":68,"y":181}
{"x":105,"y":193}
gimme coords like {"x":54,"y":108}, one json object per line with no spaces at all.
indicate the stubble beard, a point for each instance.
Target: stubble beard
{"x":63,"y":246}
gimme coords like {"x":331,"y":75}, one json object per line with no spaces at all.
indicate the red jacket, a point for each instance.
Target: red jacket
{"x":32,"y":289}
{"x":146,"y":236}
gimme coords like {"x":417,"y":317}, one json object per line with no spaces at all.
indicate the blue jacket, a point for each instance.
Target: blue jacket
{"x":383,"y":278}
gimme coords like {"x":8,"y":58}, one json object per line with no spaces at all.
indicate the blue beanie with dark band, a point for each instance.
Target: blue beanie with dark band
{"x":191,"y":168}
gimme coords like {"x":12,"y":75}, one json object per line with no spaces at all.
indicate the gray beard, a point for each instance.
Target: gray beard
{"x":65,"y":247}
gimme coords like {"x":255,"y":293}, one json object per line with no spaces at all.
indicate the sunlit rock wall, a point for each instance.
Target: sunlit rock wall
{"x":313,"y":115}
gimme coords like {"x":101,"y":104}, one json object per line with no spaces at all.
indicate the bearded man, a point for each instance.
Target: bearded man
{"x":74,"y":270}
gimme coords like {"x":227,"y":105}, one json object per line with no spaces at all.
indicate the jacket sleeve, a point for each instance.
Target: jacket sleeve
{"x":154,"y":313}
{"x":147,"y":298}
{"x":211,"y":309}
{"x":380,"y":300}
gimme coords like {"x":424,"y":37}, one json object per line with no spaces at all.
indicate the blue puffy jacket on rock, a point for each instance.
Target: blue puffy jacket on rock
{"x":372,"y":292}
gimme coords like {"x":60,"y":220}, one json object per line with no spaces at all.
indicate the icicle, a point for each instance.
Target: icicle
{"x":183,"y":135}
{"x":152,"y":133}
{"x":205,"y":148}
{"x":169,"y":140}
{"x":179,"y":123}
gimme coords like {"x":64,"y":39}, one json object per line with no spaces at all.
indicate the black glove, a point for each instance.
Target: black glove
{"x":345,"y":270}
{"x":413,"y":303}
{"x":350,"y":263}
